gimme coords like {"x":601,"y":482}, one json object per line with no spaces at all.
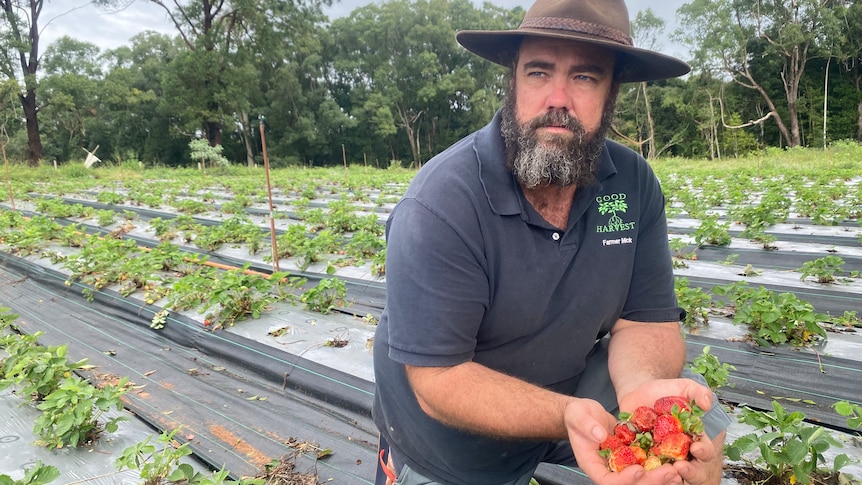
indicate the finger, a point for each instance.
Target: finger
{"x":691,"y":472}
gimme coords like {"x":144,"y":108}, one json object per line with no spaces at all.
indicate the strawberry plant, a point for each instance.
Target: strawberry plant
{"x":72,"y":236}
{"x":38,"y":474}
{"x":71,"y":413}
{"x":58,"y":208}
{"x":712,"y":232}
{"x":773,"y":318}
{"x":784,"y":446}
{"x":154,"y":466}
{"x":847,"y":319}
{"x":6,"y":318}
{"x":190,"y":206}
{"x":111,"y":198}
{"x":328,"y":294}
{"x":823,"y":269}
{"x":378,"y":263}
{"x":163,"y":229}
{"x":192,"y":289}
{"x":364,"y":244}
{"x":694,"y":301}
{"x":852,"y":411}
{"x":236,"y":230}
{"x":237,"y":296}
{"x":29,"y":238}
{"x":37,"y":370}
{"x":715,"y":372}
{"x":105,"y":217}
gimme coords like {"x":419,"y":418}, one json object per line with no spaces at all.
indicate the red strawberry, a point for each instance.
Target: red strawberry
{"x":665,"y":425}
{"x":643,"y":418}
{"x":640,"y":454}
{"x":611,"y":443}
{"x":673,"y":447}
{"x":621,"y":458}
{"x":664,"y":405}
{"x":624,"y":432}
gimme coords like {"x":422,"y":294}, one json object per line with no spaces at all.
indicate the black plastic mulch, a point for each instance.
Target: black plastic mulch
{"x":241,"y":403}
{"x":238,"y":403}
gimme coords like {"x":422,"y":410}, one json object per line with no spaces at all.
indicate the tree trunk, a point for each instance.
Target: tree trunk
{"x":34,"y":140}
{"x":29,"y":61}
{"x":246,"y":138}
{"x":214,"y":132}
{"x":859,"y":122}
{"x":408,"y":122}
{"x":650,"y":125}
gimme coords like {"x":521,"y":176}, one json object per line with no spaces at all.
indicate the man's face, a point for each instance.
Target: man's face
{"x":559,"y":105}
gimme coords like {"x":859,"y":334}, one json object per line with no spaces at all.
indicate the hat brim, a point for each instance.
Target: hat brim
{"x":636,"y":65}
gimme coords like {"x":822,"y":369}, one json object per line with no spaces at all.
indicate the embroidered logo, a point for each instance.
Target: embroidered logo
{"x":614,"y":204}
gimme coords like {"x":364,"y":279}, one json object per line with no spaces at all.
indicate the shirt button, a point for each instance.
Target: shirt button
{"x":555,"y":236}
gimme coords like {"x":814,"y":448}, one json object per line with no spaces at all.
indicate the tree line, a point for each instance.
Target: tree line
{"x":389,"y":84}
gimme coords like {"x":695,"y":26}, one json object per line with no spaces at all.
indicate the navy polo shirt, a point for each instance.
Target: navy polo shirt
{"x":474,"y":273}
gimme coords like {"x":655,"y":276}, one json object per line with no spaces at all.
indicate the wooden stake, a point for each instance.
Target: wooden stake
{"x":272,"y":237}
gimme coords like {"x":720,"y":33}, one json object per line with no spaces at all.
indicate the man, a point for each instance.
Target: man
{"x":530,"y":287}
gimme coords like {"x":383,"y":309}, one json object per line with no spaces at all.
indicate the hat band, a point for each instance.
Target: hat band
{"x":579,"y":26}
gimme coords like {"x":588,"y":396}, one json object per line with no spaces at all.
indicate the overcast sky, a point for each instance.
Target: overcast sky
{"x":109,"y":29}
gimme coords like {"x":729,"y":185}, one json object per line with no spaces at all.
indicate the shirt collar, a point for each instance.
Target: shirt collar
{"x":499,"y":184}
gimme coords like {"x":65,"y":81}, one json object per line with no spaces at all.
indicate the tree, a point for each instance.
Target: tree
{"x":69,"y":90}
{"x":135,"y":121}
{"x":400,"y":70}
{"x":646,"y":28}
{"x":849,"y":54}
{"x":19,"y":34}
{"x":741,"y":37}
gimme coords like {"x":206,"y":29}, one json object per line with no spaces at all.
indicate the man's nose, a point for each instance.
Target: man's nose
{"x":558,"y":96}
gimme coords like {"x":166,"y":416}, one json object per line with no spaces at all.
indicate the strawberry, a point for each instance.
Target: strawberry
{"x":624,"y":432}
{"x":640,"y":453}
{"x":651,"y":463}
{"x":673,"y":447}
{"x":643,"y":418}
{"x":611,"y":443}
{"x":664,"y":405}
{"x":621,"y":458}
{"x":665,"y":425}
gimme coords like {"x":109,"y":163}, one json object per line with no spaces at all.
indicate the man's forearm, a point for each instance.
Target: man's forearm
{"x":473,"y":397}
{"x":640,"y":352}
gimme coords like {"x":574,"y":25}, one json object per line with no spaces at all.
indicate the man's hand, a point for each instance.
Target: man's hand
{"x":588,"y":424}
{"x":647,"y":393}
{"x":706,"y":467}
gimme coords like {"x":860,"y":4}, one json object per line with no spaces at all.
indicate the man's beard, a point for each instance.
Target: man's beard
{"x":555,"y":159}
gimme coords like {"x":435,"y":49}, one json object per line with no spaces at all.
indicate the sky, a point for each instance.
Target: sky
{"x":112,"y":28}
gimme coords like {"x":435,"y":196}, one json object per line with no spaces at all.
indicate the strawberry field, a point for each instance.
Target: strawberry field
{"x":239,"y":333}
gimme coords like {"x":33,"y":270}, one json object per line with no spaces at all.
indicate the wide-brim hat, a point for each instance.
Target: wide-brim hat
{"x":598,"y":22}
